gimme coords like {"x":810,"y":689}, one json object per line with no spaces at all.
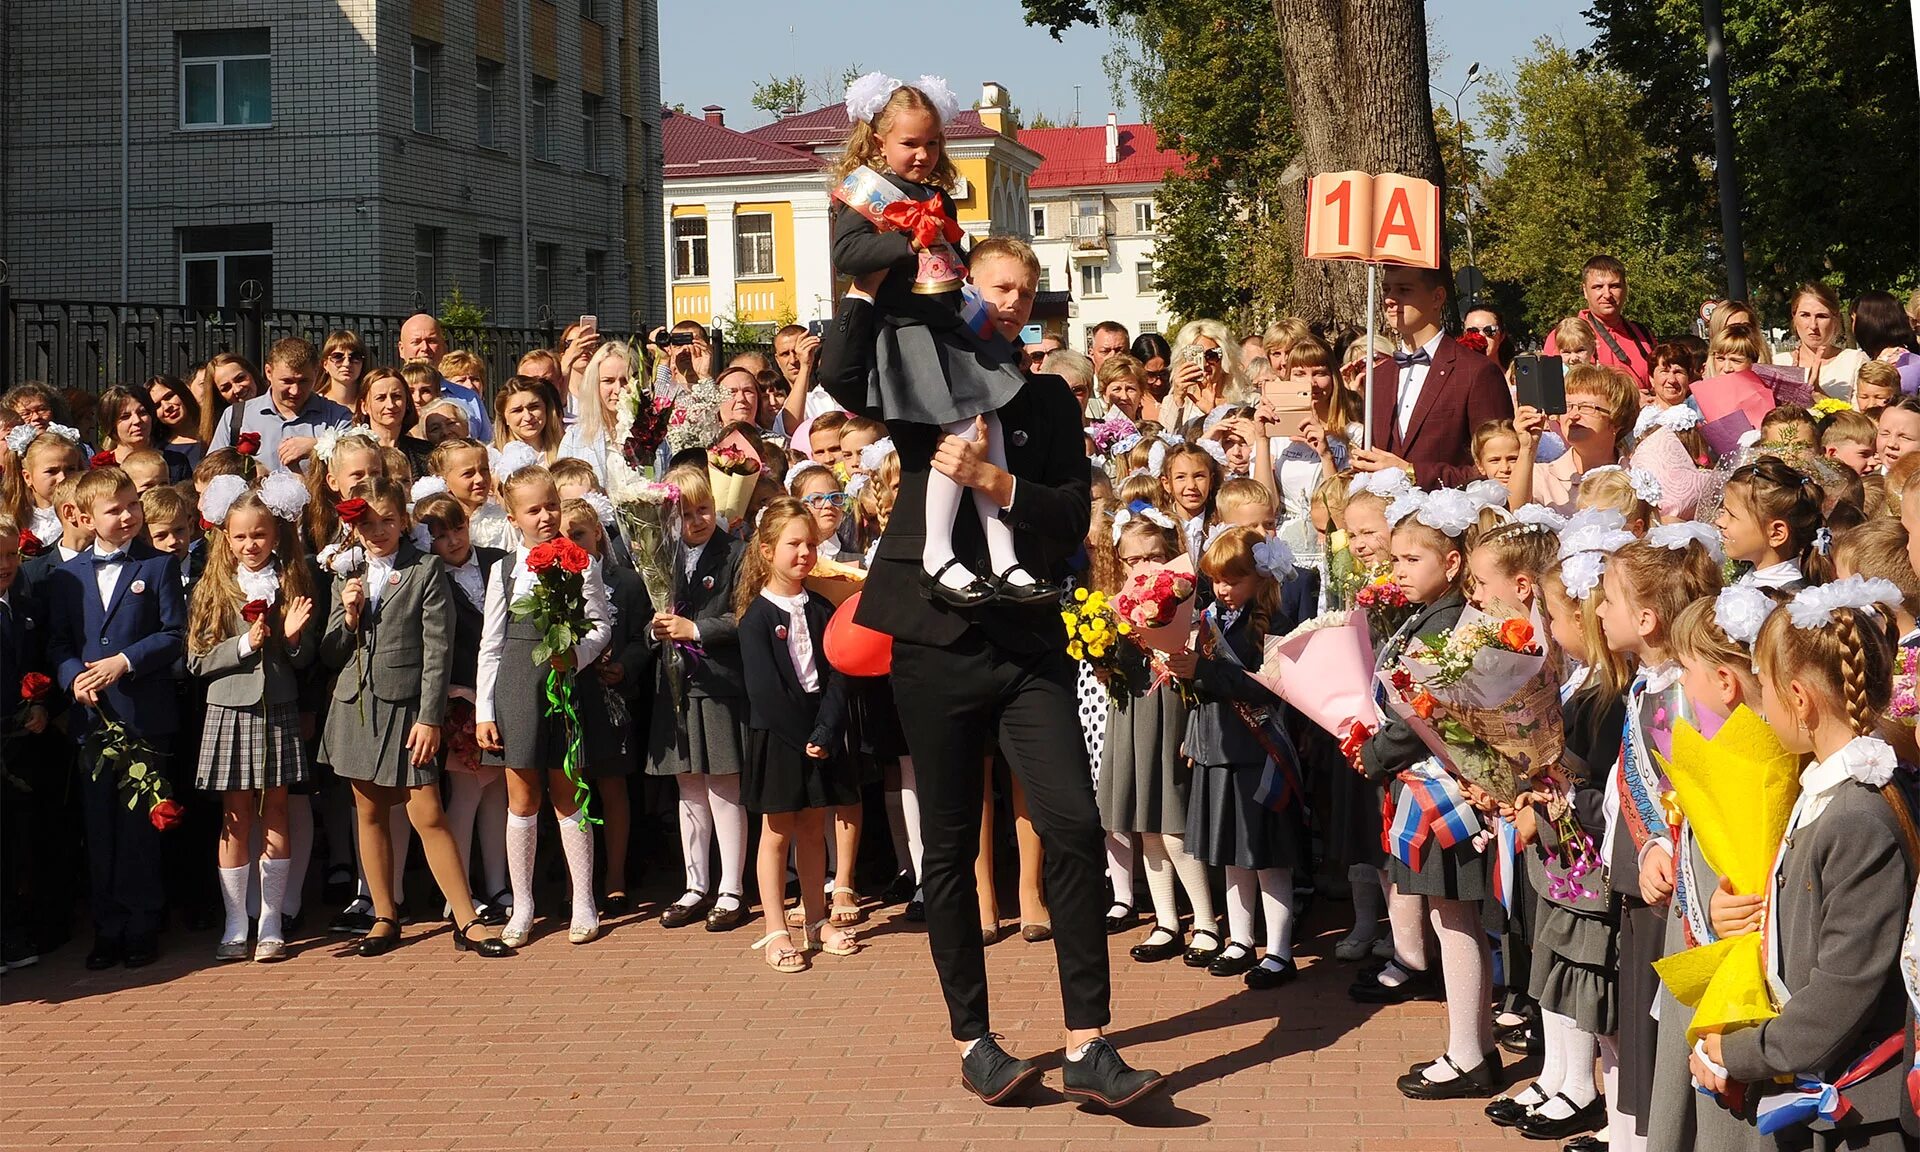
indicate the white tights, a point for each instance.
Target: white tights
{"x":903,"y":819}
{"x":943,"y":504}
{"x":479,"y":800}
{"x":1167,"y":857}
{"x":1275,"y":888}
{"x":710,"y":809}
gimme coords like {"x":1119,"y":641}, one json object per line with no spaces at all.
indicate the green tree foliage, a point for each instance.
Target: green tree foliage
{"x":1825,"y":124}
{"x":777,"y":95}
{"x":458,"y":312}
{"x":1578,"y":179}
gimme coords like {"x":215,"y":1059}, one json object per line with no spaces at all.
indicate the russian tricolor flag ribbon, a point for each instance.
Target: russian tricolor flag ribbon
{"x":1813,"y":1099}
{"x":1506,"y":851}
{"x":1434,"y":807}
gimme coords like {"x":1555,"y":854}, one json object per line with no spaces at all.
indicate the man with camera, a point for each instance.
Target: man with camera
{"x":796,"y":351}
{"x":686,"y":358}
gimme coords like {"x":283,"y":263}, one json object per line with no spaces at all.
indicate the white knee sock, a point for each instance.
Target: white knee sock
{"x":1193,"y":878}
{"x":730,"y":830}
{"x":273,"y":894}
{"x":493,"y":833}
{"x":1166,"y":913}
{"x":1276,"y":900}
{"x":523,"y":838}
{"x":1466,"y":971}
{"x":1120,"y":866}
{"x":942,"y":505}
{"x":910,"y":812}
{"x":696,"y":830}
{"x":299,"y":852}
{"x":1243,"y":887}
{"x":1576,"y":1077}
{"x":999,"y":533}
{"x":1369,"y":901}
{"x":576,"y":839}
{"x":233,"y":896}
{"x":400,"y":834}
{"x":1620,"y":1134}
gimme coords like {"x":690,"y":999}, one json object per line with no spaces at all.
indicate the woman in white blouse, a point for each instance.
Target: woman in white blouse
{"x":1818,"y":353}
{"x":613,"y":369}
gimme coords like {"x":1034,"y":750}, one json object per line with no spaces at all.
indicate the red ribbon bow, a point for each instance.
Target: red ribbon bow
{"x":923,"y":220}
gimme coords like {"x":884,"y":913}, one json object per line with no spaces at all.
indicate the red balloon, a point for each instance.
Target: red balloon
{"x":853,"y":649}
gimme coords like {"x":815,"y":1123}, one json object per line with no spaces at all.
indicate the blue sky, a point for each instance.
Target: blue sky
{"x":714,"y":53}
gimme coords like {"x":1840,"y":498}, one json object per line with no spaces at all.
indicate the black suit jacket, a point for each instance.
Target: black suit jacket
{"x":1462,"y":391}
{"x":706,"y":598}
{"x":469,"y":620}
{"x":1052,"y":503}
{"x":775,"y":701}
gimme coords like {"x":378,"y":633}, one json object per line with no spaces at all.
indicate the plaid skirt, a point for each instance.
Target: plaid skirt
{"x":242,"y":750}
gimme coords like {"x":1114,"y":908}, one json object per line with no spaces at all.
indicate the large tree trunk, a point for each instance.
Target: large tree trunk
{"x":1357,"y":83}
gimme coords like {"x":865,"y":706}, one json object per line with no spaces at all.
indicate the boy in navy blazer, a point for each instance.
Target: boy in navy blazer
{"x":118,"y":621}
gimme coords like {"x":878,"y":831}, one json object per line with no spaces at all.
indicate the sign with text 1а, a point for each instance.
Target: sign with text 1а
{"x":1384,"y":219}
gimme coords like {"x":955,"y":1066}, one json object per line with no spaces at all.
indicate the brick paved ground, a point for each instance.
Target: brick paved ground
{"x":681,"y":1040}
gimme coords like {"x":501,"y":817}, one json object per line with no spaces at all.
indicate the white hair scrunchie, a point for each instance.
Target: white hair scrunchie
{"x":876,"y":453}
{"x":1740,"y":611}
{"x":935,"y":89}
{"x":324,"y":444}
{"x":1645,"y":485}
{"x":1386,"y":484}
{"x":1869,"y":759}
{"x":1541,"y":515}
{"x":424,"y":487}
{"x":1403,"y":504}
{"x":1814,"y":607}
{"x":1450,"y":511}
{"x":602,"y":507}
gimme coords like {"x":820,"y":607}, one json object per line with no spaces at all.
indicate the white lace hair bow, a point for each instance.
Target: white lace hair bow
{"x":875,"y":454}
{"x":1581,"y":573}
{"x":1148,"y":513}
{"x":424,"y":487}
{"x":1450,"y":511}
{"x":1487,"y":493}
{"x":1678,"y":418}
{"x":506,"y":461}
{"x":602,"y":507}
{"x":1594,"y":530}
{"x":324,"y":444}
{"x":1541,"y":515}
{"x":1213,"y":533}
{"x":284,"y":494}
{"x":1156,"y":456}
{"x":870,"y":93}
{"x":1274,"y":558}
{"x":1645,"y":484}
{"x":22,"y":436}
{"x":218,"y":498}
{"x":1740,"y":611}
{"x":1386,"y":484}
{"x":1814,"y":607}
{"x":1404,"y":503}
{"x":1675,"y":537}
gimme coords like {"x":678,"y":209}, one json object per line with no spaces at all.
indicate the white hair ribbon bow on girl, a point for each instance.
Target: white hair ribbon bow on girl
{"x":1645,"y":485}
{"x":1214,"y":449}
{"x":870,"y":93}
{"x":1581,"y":573}
{"x":1213,"y":533}
{"x":1386,"y":483}
{"x":1156,"y":457}
{"x":1274,"y":558}
{"x":1540,"y":515}
{"x":1740,"y":611}
{"x":424,"y":487}
{"x":1121,"y":446}
{"x":1449,"y":510}
{"x":325,"y":443}
{"x":1487,"y":493}
{"x":602,"y":507}
{"x":1404,"y":503}
{"x":19,"y":436}
{"x":1141,"y":510}
{"x":217,"y":500}
{"x":1675,"y":537}
{"x":1868,"y":759}
{"x":1814,"y":607}
{"x":875,"y":454}
{"x":284,"y":495}
{"x":1679,"y":418}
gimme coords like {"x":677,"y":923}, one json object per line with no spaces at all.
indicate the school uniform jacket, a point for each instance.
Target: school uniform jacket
{"x":706,"y":598}
{"x":632,"y":645}
{"x":144,"y":620}
{"x":269,"y":675}
{"x":1593,"y":727}
{"x":1395,"y":748}
{"x":469,"y":619}
{"x":23,"y":649}
{"x":775,"y":701}
{"x":403,"y":643}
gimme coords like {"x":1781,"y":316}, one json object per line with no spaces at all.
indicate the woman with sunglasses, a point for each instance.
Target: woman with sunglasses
{"x":1486,"y":321}
{"x":1154,"y":354}
{"x":343,"y":361}
{"x":1206,"y":373}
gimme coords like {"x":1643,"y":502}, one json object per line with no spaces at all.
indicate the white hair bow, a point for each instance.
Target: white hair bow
{"x":285,"y":495}
{"x":868,"y":94}
{"x":1148,"y":513}
{"x":1213,"y":449}
{"x":1386,"y":483}
{"x":938,"y":94}
{"x":19,"y":436}
{"x":1213,"y":533}
{"x":1678,"y":418}
{"x":218,"y":498}
{"x":1404,"y":503}
{"x":602,"y":507}
{"x":1120,"y":447}
{"x":1274,"y":558}
{"x":1675,"y":537}
{"x":1740,"y":611}
{"x":1450,"y":511}
{"x":1594,"y":530}
{"x":1487,"y":493}
{"x":1645,"y":485}
{"x":422,"y":538}
{"x":324,"y":444}
{"x":876,"y":453}
{"x":1869,"y":759}
{"x":1156,"y":457}
{"x":516,"y":455}
{"x":1541,"y":515}
{"x":1581,"y":573}
{"x":1814,"y":607}
{"x":424,"y":487}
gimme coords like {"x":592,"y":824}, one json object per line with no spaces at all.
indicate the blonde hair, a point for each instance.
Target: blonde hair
{"x":1238,"y":388}
{"x":461,"y":362}
{"x":1877,"y":548}
{"x":322,"y":523}
{"x":1614,"y":491}
{"x":1520,"y":548}
{"x":525,"y":477}
{"x":754,"y":569}
{"x":1013,"y":248}
{"x":1243,"y":492}
{"x":213,"y":613}
{"x":1696,"y":635}
{"x":578,"y":511}
{"x":1608,"y":674}
{"x":1573,"y":335}
{"x":1280,"y":337}
{"x":1616,"y":389}
{"x":1742,"y":338}
{"x":863,"y":144}
{"x":691,"y":479}
{"x":589,"y":423}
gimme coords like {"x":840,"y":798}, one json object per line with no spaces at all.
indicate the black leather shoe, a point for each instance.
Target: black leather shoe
{"x":680,"y":915}
{"x":351,"y":923}
{"x":990,"y":1073}
{"x":492,"y":947}
{"x":1037,"y":592}
{"x":1478,"y":1083}
{"x":141,"y":951}
{"x":1417,"y":986}
{"x":1260,"y":976}
{"x":1585,"y":1144}
{"x":615,"y":904}
{"x":1231,"y":962}
{"x":900,"y":889}
{"x":105,"y":954}
{"x":1197,"y":956}
{"x":371,"y":945}
{"x":1151,"y":951}
{"x":975,"y":593}
{"x":497,"y":909}
{"x":1120,"y":921}
{"x":1504,"y":1111}
{"x":1101,"y":1077}
{"x":1522,"y":1039}
{"x":1585,"y":1119}
{"x":727,"y":919}
{"x":916,"y":912}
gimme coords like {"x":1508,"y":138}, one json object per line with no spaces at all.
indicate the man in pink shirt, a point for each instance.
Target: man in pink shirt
{"x":1621,"y":342}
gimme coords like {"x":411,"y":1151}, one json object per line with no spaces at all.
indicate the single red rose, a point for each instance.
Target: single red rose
{"x":543,"y":556}
{"x":572,"y":557}
{"x":103,"y":460}
{"x":1516,"y":634}
{"x":247,"y":443}
{"x":252,"y":610}
{"x":351,"y":511}
{"x":1400,"y":680}
{"x":31,"y":545}
{"x":166,"y":814}
{"x":34,"y":687}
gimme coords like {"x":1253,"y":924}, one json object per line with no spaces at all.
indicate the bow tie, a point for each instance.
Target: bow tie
{"x":119,"y":557}
{"x":1403,"y":359}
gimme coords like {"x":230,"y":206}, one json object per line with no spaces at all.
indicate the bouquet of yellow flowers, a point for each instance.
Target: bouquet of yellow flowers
{"x":1094,"y":629}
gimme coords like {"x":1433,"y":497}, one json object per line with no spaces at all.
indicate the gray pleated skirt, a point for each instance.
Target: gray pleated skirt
{"x":1227,"y":827}
{"x":376,"y":751}
{"x":1143,"y":780}
{"x":709,"y":740}
{"x":924,"y":375}
{"x":1575,"y":956}
{"x":249,"y":749}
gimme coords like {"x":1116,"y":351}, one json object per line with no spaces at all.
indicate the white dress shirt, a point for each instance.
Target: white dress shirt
{"x":106,"y":577}
{"x":493,"y":634}
{"x":379,"y":570}
{"x":471,"y":581}
{"x":45,"y":525}
{"x":1774,"y":576}
{"x":1413,"y":377}
{"x":806,"y":665}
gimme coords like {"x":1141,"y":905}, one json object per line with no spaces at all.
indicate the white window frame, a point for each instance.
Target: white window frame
{"x":741,"y":270}
{"x":705,"y":249}
{"x":219,"y":64}
{"x":1144,"y":216}
{"x":1093,"y":281}
{"x":1143,"y":278}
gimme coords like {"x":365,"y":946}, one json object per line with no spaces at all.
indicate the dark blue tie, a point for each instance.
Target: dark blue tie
{"x":119,"y":557}
{"x":1405,"y":359}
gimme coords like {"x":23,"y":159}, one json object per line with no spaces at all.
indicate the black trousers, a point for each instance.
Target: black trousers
{"x":950,"y":699}
{"x":123,"y":855}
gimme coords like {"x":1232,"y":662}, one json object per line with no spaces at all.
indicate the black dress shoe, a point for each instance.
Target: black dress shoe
{"x":975,"y":593}
{"x":679,"y":915}
{"x":1478,"y":1083}
{"x":900,"y":889}
{"x":371,"y":945}
{"x":1198,"y":956}
{"x":1260,"y":976}
{"x":1036,"y":592}
{"x":616,"y":904}
{"x":727,"y":919}
{"x":1101,"y":1077}
{"x":141,"y":951}
{"x":1151,"y":951}
{"x":1522,"y":1039}
{"x":991,"y":1074}
{"x":105,"y":954}
{"x":1587,"y":1118}
{"x":1417,"y":986}
{"x":1505,"y":1111}
{"x":1125,"y":918}
{"x":351,"y":923}
{"x":1586,"y":1144}
{"x":916,"y":912}
{"x":492,"y":947}
{"x":1234,"y":960}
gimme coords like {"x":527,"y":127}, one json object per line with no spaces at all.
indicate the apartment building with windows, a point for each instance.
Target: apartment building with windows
{"x":365,"y":156}
{"x":1092,"y":218}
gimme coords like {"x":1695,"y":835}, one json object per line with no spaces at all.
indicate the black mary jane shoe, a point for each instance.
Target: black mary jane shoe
{"x":1588,"y":1143}
{"x":615,"y":904}
{"x":496,"y":910}
{"x":975,"y":593}
{"x":1522,"y":1039}
{"x":1197,"y":957}
{"x":1584,"y":1119}
{"x":1120,"y":917}
{"x":900,"y":889}
{"x":1504,"y":1111}
{"x":1152,"y":951}
{"x":1233,"y":963}
{"x":1035,"y":591}
{"x":1261,"y":977}
{"x":492,"y":947}
{"x":1481,"y":1081}
{"x":679,"y":914}
{"x":727,"y":919}
{"x":371,"y":945}
{"x":1417,"y":986}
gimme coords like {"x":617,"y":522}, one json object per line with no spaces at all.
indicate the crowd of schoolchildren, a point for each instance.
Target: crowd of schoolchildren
{"x":222,"y":641}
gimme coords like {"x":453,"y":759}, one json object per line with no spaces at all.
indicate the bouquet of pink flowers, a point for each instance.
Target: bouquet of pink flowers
{"x":1384,"y":602}
{"x":1906,"y":678}
{"x":1158,"y":604}
{"x":1110,"y":432}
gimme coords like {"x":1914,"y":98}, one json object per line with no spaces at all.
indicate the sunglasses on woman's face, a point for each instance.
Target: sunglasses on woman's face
{"x":344,"y":357}
{"x":1487,"y":330}
{"x":1212,"y":356}
{"x":825,"y":500}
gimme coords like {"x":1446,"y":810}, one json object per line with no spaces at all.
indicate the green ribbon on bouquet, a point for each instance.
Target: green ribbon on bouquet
{"x":560,"y":703}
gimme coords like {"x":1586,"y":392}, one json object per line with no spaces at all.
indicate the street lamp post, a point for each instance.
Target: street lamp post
{"x":1460,"y":138}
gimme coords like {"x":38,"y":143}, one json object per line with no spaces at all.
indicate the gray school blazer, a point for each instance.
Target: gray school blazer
{"x":259,"y":677}
{"x":404,"y":647}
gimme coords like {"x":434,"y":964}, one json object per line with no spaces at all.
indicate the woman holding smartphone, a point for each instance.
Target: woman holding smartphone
{"x":1205,"y":373}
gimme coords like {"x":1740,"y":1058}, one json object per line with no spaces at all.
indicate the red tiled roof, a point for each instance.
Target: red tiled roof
{"x":827,"y":127}
{"x":695,"y":148}
{"x":1077,"y":157}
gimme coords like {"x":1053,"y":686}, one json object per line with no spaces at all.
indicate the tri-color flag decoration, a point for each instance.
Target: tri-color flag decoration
{"x":1813,"y":1099}
{"x":1435,"y":809}
{"x":1506,"y":851}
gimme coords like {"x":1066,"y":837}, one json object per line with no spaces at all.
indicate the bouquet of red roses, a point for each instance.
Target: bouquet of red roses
{"x":557,"y":606}
{"x":1158,"y":603}
{"x":141,"y":779}
{"x":647,"y":417}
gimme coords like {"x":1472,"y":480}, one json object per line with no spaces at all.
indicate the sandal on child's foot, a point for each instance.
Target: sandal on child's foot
{"x":841,"y":943}
{"x":845,"y":915}
{"x":783,"y":956}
